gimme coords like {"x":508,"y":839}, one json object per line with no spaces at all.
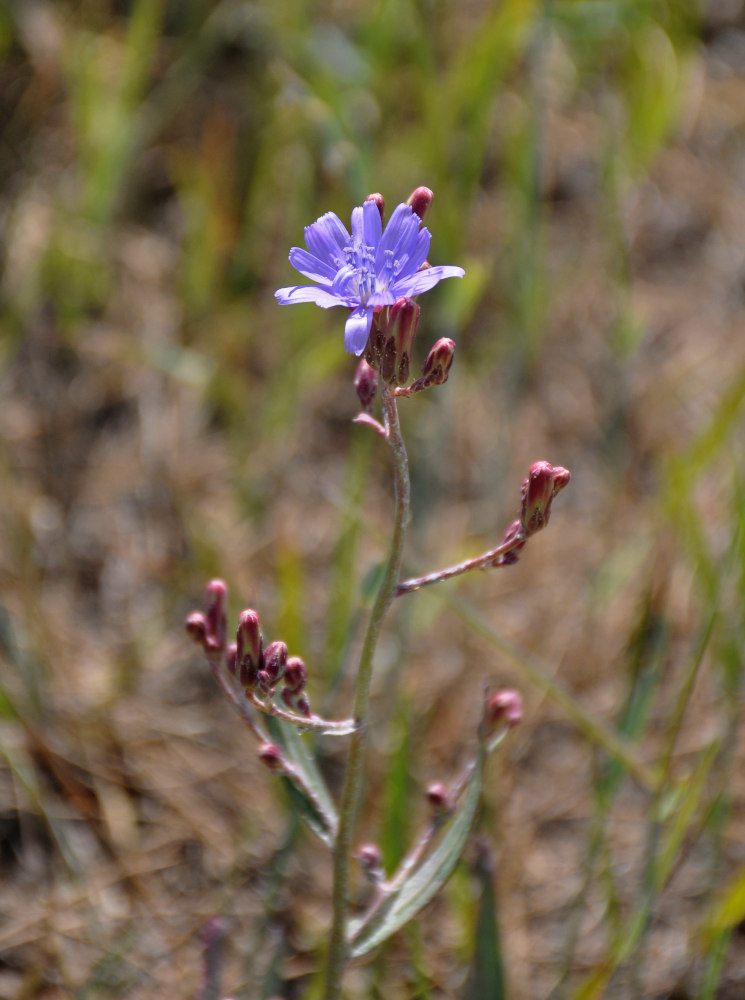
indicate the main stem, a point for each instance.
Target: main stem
{"x":350,"y":799}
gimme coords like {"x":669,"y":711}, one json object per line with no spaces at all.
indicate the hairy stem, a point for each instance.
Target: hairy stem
{"x":337,"y":953}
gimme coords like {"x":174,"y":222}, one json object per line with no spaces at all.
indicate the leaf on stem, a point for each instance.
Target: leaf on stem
{"x":319,"y":812}
{"x":409,"y":891}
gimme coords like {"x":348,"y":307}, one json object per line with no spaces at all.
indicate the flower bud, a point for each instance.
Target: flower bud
{"x":196,"y":629}
{"x":395,"y":364}
{"x":440,"y":799}
{"x":420,"y":200}
{"x":296,"y":674}
{"x":249,"y":644}
{"x":377,"y":339}
{"x":366,"y":384}
{"x":380,"y":202}
{"x":271,"y":755}
{"x":371,"y":862}
{"x":275,"y":659}
{"x":216,"y":618}
{"x":505,"y":708}
{"x":543,"y":483}
{"x":439,"y":361}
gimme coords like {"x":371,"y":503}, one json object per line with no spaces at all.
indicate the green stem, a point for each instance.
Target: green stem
{"x":351,"y":794}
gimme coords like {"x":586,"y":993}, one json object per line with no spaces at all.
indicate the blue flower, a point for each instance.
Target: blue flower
{"x":366,"y":270}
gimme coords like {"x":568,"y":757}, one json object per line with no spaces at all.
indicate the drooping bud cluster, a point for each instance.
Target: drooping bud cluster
{"x":255,"y":668}
{"x":539,"y":489}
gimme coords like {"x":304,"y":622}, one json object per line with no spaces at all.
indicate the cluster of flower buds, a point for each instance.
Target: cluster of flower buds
{"x":392,"y":339}
{"x":389,"y":347}
{"x":537,"y":492}
{"x":255,"y":668}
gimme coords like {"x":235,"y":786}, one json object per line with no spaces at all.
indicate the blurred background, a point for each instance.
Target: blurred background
{"x":163,"y":421}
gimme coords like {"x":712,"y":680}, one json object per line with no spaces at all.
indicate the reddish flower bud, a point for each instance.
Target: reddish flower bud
{"x":275,"y":660}
{"x":395,"y":363}
{"x":303,"y":706}
{"x":196,"y":628}
{"x":440,"y":799}
{"x":505,"y":708}
{"x":217,"y":618}
{"x":370,"y":858}
{"x":380,"y":202}
{"x":420,"y":200}
{"x":296,"y":674}
{"x":366,"y":384}
{"x":378,"y":334}
{"x":249,"y":643}
{"x":271,"y":755}
{"x":543,"y":483}
{"x":439,"y":361}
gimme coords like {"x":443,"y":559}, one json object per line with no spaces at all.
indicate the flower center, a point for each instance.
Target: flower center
{"x":361,"y":258}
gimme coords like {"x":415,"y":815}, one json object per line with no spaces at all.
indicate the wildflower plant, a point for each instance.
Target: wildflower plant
{"x":375,"y":273}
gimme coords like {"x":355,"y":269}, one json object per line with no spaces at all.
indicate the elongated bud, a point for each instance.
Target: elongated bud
{"x":275,"y":660}
{"x":420,"y":200}
{"x":505,"y":708}
{"x":395,"y":364}
{"x":271,"y":755}
{"x":377,"y":339}
{"x":249,"y":643}
{"x":366,"y":384}
{"x":543,"y":483}
{"x":439,"y":362}
{"x":216,"y":617}
{"x":380,"y":202}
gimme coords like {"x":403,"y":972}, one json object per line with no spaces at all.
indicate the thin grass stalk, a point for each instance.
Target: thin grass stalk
{"x":351,"y":794}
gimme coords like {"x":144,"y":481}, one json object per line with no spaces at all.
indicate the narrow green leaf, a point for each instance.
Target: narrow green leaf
{"x":414,"y":891}
{"x":320,"y":815}
{"x":486,"y":975}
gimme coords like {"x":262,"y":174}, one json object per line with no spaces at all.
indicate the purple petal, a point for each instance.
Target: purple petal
{"x":327,"y":238}
{"x":399,"y":236}
{"x":373,"y":226}
{"x":366,"y":225}
{"x":322,"y":297}
{"x":345,"y":284}
{"x":422,"y":281}
{"x":410,"y":264}
{"x":311,"y":266}
{"x":357,"y":329}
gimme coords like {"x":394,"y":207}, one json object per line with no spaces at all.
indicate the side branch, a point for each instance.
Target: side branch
{"x":537,"y":492}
